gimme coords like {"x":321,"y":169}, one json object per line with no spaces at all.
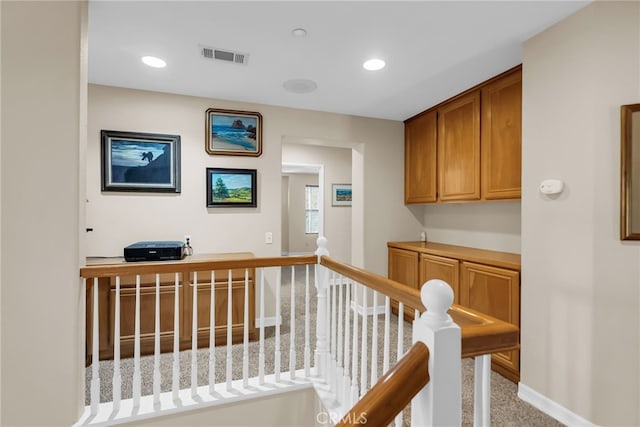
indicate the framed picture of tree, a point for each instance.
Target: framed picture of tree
{"x":231,"y":188}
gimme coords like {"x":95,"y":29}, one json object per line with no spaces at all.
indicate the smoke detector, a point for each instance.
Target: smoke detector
{"x":224,"y":55}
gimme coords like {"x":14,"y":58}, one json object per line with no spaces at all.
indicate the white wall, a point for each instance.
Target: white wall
{"x":43,"y":114}
{"x":580,"y":283}
{"x":285,"y":214}
{"x":297,"y":408}
{"x":119,"y":219}
{"x":299,"y":241}
{"x":337,"y":170}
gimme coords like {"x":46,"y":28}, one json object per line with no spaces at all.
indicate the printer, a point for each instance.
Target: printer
{"x":162,"y":250}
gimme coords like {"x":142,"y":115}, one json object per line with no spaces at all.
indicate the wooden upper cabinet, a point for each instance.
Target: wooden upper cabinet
{"x":459,"y":148}
{"x":501,"y":138}
{"x":420,"y":158}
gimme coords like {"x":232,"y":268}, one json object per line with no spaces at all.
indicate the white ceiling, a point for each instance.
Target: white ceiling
{"x":433,"y":49}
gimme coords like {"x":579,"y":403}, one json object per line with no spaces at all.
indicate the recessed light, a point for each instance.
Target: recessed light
{"x":300,"y":85}
{"x":154,"y":62}
{"x":374,"y":64}
{"x":299,"y":32}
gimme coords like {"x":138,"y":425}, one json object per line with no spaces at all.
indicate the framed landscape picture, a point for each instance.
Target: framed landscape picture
{"x":146,"y":162}
{"x":341,"y":195}
{"x":233,"y":133}
{"x":231,"y":188}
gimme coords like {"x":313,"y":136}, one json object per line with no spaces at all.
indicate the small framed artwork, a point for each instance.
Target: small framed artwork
{"x":341,"y":195}
{"x":233,"y":133}
{"x":146,"y":162}
{"x":231,"y":188}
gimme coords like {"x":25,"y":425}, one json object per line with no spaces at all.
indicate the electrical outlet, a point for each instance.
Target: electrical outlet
{"x":187,"y":238}
{"x":268,"y":238}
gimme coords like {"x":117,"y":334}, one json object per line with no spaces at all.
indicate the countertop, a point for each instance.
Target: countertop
{"x":481,"y":256}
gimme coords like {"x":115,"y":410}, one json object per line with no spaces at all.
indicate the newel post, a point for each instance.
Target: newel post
{"x":322,"y":284}
{"x":439,"y":403}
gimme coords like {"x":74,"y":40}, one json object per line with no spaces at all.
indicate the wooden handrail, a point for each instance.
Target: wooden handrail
{"x":393,"y":392}
{"x":481,"y":333}
{"x":192,"y":263}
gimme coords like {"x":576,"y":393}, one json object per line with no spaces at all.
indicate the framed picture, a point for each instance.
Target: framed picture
{"x":147,"y":162}
{"x":233,"y":133}
{"x":231,"y":188}
{"x":341,"y":195}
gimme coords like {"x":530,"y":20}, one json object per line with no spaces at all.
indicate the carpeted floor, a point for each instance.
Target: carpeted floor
{"x":506,"y":408}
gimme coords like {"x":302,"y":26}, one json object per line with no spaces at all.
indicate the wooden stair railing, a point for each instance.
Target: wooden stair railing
{"x":481,"y":333}
{"x":393,"y":391}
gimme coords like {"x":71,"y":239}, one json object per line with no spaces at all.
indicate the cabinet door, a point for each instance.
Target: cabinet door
{"x":502,"y":137}
{"x":459,"y":148}
{"x":221,"y":306}
{"x":496,"y":292}
{"x":147,"y":313}
{"x":403,"y":268}
{"x":420,"y":138}
{"x":447,"y":269}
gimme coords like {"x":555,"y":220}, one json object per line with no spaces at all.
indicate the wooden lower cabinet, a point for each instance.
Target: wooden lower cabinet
{"x":167,"y":290}
{"x":221,"y":301}
{"x":486,"y":286}
{"x":436,"y":267}
{"x":496,"y":292}
{"x":403,"y":268}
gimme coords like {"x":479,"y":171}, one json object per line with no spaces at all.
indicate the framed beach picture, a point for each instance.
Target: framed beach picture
{"x":231,"y":188}
{"x":146,"y":162}
{"x":341,"y":195}
{"x":233,"y":133}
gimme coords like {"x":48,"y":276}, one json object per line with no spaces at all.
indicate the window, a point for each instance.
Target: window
{"x":312,"y":209}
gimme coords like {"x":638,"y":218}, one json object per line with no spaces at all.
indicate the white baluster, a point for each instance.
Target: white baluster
{"x":322,"y":282}
{"x":374,"y":341}
{"x":175,"y":384}
{"x":137,"y":380}
{"x":363,"y":352}
{"x":439,"y":402}
{"x":400,"y":351}
{"x":194,"y":338}
{"x":346,"y":378}
{"x":156,"y":347}
{"x":354,"y":353}
{"x":307,"y":323}
{"x":212,"y":335}
{"x":261,"y":351}
{"x":245,"y":346}
{"x":334,"y":332}
{"x":229,"y":330}
{"x":387,"y":327}
{"x":278,"y":317}
{"x":482,"y":391}
{"x":340,"y":350}
{"x":292,"y":332}
{"x":117,"y":377}
{"x":95,"y":356}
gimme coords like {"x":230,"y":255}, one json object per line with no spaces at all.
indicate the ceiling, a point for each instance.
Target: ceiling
{"x":433,"y":49}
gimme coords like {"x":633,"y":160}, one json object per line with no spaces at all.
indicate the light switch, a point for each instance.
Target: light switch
{"x":268,"y":238}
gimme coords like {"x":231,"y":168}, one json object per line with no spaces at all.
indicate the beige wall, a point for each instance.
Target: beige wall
{"x":43,"y":111}
{"x":337,"y":170}
{"x":580,"y":283}
{"x":119,"y":219}
{"x":292,"y":409}
{"x":490,"y":225}
{"x":299,"y":241}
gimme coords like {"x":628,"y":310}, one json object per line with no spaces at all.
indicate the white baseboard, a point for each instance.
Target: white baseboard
{"x":269,"y":321}
{"x":550,"y":407}
{"x":371,"y":311}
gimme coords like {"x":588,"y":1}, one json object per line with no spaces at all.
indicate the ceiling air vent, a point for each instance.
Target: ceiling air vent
{"x":224,"y":55}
